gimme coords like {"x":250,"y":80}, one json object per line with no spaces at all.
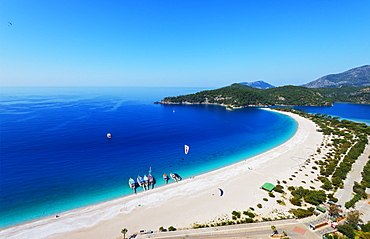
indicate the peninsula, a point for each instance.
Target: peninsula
{"x":238,"y":96}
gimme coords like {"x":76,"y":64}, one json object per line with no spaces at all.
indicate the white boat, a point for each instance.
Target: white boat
{"x":186,"y":149}
{"x":109,"y":135}
{"x":175,"y":177}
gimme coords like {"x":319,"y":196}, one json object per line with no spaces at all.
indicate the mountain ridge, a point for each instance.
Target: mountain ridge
{"x":359,"y":76}
{"x":258,"y":84}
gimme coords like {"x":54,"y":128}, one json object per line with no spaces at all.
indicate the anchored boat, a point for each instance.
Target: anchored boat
{"x":166,"y":178}
{"x":141,"y":182}
{"x":133,"y":184}
{"x":151,"y":179}
{"x":175,"y":177}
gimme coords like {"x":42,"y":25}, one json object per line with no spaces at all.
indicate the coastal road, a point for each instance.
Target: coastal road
{"x":255,"y":230}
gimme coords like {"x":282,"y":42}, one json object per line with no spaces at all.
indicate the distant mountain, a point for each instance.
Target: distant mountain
{"x":258,"y":84}
{"x":359,"y":76}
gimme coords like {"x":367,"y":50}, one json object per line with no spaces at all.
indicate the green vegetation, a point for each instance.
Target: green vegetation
{"x":237,"y":218}
{"x":300,"y":213}
{"x":237,"y":95}
{"x":171,"y":228}
{"x":347,"y":230}
{"x":332,"y":198}
{"x":296,"y":201}
{"x":314,"y":197}
{"x":236,"y":215}
{"x":366,"y":227}
{"x":366,"y":175}
{"x":278,"y":188}
{"x":124,"y":231}
{"x":350,"y":94}
{"x":249,"y":214}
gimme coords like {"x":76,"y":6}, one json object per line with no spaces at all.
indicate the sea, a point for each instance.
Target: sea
{"x":354,"y":112}
{"x":55,"y":154}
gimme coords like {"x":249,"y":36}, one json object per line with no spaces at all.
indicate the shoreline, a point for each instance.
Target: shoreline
{"x":162,"y":205}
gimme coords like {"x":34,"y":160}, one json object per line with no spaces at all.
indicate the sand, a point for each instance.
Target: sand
{"x":192,"y":200}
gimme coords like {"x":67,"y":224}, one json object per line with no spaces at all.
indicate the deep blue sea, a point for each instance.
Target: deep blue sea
{"x":55,"y":155}
{"x":355,"y":112}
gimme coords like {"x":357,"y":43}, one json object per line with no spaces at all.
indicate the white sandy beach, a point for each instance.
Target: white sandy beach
{"x":189,"y":201}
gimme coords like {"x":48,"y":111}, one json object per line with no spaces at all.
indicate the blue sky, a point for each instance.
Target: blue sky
{"x":179,"y":42}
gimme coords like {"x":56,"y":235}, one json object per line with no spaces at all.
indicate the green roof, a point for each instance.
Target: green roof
{"x":320,"y":209}
{"x":268,"y":186}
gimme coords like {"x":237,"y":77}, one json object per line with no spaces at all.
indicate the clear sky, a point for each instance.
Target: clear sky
{"x":202,"y":43}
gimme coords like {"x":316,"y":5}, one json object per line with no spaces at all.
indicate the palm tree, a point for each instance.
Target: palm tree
{"x":124,"y":231}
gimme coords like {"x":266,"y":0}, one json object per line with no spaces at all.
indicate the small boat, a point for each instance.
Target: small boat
{"x":133,"y":184}
{"x":151,"y":179}
{"x":146,"y":182}
{"x":166,"y":178}
{"x":175,"y":177}
{"x":186,"y":149}
{"x":141,"y":182}
{"x":109,"y":135}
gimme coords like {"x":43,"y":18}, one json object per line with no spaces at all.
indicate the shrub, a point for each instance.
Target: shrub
{"x":347,"y":230}
{"x":300,"y":213}
{"x":265,"y":199}
{"x":249,"y":214}
{"x":279,"y":189}
{"x":295,"y":201}
{"x":366,"y":227}
{"x":171,"y":228}
{"x":161,"y":229}
{"x":315,"y":197}
{"x":332,"y":198}
{"x":271,"y":194}
{"x":236,"y":214}
{"x":352,"y":202}
{"x":259,"y":205}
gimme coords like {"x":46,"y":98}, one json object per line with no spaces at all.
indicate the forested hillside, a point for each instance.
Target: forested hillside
{"x":237,"y":95}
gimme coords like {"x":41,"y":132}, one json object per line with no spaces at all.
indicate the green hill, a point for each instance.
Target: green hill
{"x":237,"y":95}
